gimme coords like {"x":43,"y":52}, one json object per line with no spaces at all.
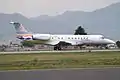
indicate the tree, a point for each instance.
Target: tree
{"x":118,"y":44}
{"x":27,"y":44}
{"x":80,"y":31}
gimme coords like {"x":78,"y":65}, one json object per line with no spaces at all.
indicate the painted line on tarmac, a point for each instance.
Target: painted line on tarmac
{"x":58,"y":51}
{"x":62,"y":69}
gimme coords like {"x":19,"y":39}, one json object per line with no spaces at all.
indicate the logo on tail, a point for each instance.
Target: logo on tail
{"x":19,"y":28}
{"x":22,"y":33}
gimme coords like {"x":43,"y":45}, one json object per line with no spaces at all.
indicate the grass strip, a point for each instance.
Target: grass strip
{"x":58,"y":60}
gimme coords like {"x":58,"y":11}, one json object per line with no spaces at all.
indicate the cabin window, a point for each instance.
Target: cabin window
{"x":102,"y":37}
{"x":68,"y":37}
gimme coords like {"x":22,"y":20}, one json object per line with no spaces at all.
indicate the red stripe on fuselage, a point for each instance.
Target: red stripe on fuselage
{"x":24,"y":35}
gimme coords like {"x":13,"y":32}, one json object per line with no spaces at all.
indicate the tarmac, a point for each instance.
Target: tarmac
{"x":63,"y":74}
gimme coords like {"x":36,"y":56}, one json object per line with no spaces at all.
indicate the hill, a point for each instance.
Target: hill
{"x":102,"y":21}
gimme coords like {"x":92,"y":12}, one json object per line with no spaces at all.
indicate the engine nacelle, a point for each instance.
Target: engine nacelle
{"x":41,"y":36}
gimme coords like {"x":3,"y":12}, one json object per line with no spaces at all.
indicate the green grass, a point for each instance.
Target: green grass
{"x":59,"y":60}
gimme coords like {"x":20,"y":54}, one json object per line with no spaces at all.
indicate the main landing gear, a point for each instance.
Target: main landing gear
{"x":57,"y":47}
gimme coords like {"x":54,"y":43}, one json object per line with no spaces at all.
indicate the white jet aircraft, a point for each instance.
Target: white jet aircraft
{"x":59,"y":40}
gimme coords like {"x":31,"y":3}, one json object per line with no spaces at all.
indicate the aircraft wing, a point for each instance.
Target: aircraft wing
{"x":74,"y":42}
{"x":65,"y":43}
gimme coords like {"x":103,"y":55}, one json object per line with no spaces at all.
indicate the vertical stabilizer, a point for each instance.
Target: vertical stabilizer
{"x":19,"y":28}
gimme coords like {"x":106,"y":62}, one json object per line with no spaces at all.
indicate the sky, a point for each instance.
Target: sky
{"x":33,"y":8}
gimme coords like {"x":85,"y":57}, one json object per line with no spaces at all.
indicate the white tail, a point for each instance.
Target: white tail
{"x":19,"y":28}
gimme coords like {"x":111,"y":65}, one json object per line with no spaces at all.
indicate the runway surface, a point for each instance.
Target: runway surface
{"x":66,"y":74}
{"x":20,"y":52}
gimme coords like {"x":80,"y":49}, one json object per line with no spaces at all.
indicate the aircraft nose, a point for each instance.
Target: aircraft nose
{"x":110,"y":41}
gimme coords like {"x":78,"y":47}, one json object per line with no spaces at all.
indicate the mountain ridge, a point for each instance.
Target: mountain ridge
{"x":101,"y":21}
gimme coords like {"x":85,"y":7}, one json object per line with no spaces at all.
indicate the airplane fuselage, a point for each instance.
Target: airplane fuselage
{"x":72,"y":39}
{"x":57,"y":40}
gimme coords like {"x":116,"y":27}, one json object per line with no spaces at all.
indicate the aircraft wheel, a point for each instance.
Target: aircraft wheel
{"x":59,"y":48}
{"x":55,"y":47}
{"x":106,"y":47}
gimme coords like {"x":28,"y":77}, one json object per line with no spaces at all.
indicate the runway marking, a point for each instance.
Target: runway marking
{"x":64,"y":69}
{"x":28,"y":52}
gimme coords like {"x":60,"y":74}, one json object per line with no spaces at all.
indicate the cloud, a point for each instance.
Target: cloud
{"x":50,"y":7}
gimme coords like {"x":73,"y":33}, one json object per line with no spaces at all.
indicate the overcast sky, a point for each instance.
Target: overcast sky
{"x":32,"y":8}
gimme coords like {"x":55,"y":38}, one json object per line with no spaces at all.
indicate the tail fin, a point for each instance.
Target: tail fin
{"x":19,"y":28}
